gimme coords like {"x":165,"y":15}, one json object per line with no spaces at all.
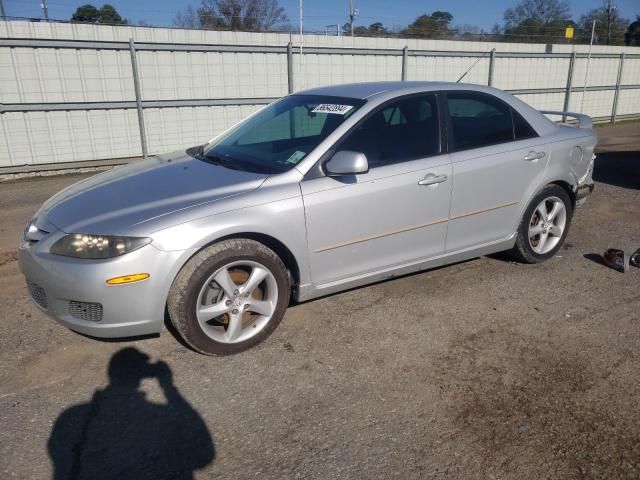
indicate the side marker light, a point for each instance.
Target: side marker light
{"x":134,"y":277}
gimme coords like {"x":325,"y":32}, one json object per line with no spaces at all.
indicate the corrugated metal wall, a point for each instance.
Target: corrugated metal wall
{"x":70,"y":75}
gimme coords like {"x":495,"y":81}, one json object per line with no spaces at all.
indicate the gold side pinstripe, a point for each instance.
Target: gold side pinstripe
{"x":482,"y":210}
{"x":413,"y":227}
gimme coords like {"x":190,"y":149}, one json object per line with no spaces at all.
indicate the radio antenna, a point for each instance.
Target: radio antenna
{"x":474,"y":64}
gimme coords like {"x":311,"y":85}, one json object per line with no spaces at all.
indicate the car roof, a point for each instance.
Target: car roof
{"x":371,"y":89}
{"x":382,"y":91}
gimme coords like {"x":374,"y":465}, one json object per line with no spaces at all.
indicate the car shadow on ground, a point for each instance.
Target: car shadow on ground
{"x":621,"y":169}
{"x":120,"y":434}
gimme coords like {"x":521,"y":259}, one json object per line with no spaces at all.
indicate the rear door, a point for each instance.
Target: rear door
{"x":397,"y":212}
{"x":497,"y":160}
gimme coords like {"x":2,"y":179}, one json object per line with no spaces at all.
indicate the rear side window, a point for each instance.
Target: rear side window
{"x":521,"y":128}
{"x":480,"y":120}
{"x":402,"y":130}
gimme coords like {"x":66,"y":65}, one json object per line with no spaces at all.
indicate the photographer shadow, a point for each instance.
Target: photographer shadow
{"x":120,"y":434}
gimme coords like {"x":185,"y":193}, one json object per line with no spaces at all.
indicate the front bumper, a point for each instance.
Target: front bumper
{"x":74,"y":292}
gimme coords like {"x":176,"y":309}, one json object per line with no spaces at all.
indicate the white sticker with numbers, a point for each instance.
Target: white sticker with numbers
{"x":332,"y":108}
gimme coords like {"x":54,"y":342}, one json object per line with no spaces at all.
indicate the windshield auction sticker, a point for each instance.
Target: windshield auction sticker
{"x":332,"y":108}
{"x":296,"y":157}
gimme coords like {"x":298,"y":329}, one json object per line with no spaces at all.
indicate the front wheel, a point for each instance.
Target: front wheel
{"x":544,"y":226}
{"x":229,"y":297}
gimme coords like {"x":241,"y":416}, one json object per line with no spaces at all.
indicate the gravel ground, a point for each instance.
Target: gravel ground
{"x":484,"y":369}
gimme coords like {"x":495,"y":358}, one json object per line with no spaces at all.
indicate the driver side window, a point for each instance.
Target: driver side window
{"x":402,"y":130}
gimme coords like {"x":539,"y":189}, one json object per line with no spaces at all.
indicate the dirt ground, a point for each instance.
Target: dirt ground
{"x":484,"y":369}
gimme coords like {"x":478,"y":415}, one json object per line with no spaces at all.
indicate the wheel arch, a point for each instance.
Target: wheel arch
{"x":182,"y":318}
{"x":280,"y":249}
{"x":286,"y":255}
{"x":566,"y":186}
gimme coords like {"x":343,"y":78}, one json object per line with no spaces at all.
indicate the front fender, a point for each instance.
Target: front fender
{"x":282,"y":220}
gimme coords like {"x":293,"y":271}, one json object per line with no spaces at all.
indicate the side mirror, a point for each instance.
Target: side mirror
{"x":347,"y":163}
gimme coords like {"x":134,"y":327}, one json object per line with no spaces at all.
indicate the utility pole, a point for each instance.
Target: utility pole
{"x":45,"y":9}
{"x":2,"y":14}
{"x":352,"y":16}
{"x":609,"y":8}
{"x":300,"y":15}
{"x":586,"y":72}
{"x":301,"y":56}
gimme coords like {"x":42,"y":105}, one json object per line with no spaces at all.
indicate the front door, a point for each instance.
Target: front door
{"x":395,"y":214}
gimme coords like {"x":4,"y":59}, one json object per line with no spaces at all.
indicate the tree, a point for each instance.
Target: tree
{"x":442,"y":18}
{"x":540,"y":11}
{"x":110,"y":16}
{"x":537,"y":21}
{"x":436,"y":25}
{"x":532,"y":31}
{"x":497,"y":33}
{"x":618,"y":26}
{"x":187,"y":18}
{"x":246,"y":15}
{"x":85,"y":13}
{"x":632,"y":37}
{"x":376,"y":29}
{"x":469,"y":32}
{"x":90,"y":14}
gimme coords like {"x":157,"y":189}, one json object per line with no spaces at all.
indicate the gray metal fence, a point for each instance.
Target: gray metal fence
{"x":44,"y":132}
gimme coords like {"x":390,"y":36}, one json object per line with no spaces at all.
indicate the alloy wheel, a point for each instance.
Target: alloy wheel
{"x":237,"y":301}
{"x":547,"y":225}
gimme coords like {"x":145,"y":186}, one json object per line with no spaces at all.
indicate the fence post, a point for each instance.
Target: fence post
{"x":405,"y":56}
{"x":492,"y":62}
{"x":567,"y":93}
{"x":614,"y":110}
{"x":290,"y":66}
{"x":136,"y":86}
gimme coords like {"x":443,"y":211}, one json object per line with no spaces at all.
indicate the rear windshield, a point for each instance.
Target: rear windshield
{"x":278,"y":137}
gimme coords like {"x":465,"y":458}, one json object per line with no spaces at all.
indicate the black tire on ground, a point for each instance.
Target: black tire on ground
{"x":183,"y":296}
{"x":522,"y":250}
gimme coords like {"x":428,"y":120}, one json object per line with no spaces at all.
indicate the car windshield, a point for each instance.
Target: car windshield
{"x":278,"y":137}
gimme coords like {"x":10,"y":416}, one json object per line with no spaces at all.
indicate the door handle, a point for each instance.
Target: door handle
{"x":432,"y":180}
{"x":533,"y":156}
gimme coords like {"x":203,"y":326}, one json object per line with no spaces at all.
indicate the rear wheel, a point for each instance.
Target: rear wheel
{"x":544,"y":226}
{"x":229,"y":297}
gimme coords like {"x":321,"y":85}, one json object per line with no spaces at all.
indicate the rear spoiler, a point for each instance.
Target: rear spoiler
{"x":584,"y":121}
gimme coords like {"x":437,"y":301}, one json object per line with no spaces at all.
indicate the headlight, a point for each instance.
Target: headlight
{"x":80,"y":245}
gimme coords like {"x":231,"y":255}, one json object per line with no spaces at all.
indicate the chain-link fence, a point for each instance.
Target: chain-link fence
{"x":74,"y":93}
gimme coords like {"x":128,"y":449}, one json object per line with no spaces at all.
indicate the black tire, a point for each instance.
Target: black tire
{"x":183,"y":296}
{"x":523,"y":250}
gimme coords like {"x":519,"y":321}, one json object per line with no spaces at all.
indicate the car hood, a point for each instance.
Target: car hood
{"x":144,"y":193}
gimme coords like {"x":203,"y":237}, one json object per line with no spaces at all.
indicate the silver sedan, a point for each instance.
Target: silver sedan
{"x":321,"y":191}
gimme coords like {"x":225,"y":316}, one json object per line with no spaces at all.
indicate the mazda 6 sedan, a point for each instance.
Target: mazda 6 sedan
{"x":321,"y":191}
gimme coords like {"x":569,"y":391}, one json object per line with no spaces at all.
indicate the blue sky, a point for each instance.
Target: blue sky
{"x":318,"y":13}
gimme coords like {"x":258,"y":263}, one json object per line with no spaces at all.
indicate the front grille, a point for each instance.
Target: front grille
{"x":91,"y":312}
{"x":37,"y":293}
